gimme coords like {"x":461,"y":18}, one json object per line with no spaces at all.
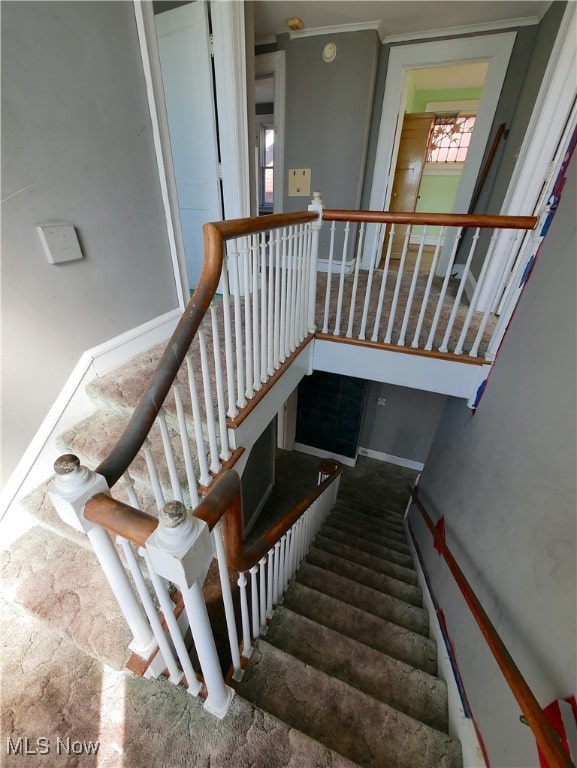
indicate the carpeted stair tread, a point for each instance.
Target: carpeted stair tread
{"x":406,"y":561}
{"x":338,"y":546}
{"x":363,"y":597}
{"x":51,"y":688}
{"x":403,"y":687}
{"x":367,"y":576}
{"x":392,"y":519}
{"x":93,"y":438}
{"x":350,"y":722}
{"x":64,"y":585}
{"x":371,"y":524}
{"x":353,"y":528}
{"x":378,"y":633}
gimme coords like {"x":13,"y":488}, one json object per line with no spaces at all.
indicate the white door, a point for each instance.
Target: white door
{"x":184,"y":49}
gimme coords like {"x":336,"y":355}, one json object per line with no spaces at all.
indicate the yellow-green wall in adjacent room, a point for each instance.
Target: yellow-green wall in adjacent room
{"x":418,"y":100}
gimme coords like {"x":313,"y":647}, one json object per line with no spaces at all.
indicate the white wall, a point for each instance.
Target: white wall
{"x":504,"y":479}
{"x":77,"y":148}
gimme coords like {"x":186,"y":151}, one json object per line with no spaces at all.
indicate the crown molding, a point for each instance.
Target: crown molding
{"x":469,"y":29}
{"x":336,"y":29}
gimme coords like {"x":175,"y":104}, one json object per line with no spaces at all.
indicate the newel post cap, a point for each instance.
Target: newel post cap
{"x":180,"y":548}
{"x":73,"y":486}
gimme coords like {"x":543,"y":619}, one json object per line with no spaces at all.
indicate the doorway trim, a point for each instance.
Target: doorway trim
{"x":230,"y":76}
{"x":496,"y":49}
{"x":267,"y":64}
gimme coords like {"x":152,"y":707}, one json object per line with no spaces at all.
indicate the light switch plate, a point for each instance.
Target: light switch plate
{"x":60,"y":242}
{"x":299,"y":182}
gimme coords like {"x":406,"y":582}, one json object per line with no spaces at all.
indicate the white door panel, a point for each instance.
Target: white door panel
{"x":183,"y":44}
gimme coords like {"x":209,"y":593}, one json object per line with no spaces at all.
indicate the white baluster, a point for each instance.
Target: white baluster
{"x":283,"y":297}
{"x":209,"y":410}
{"x":389,"y":333}
{"x":298,"y":308}
{"x":384,"y":278}
{"x":175,"y":674}
{"x":227,"y":601}
{"x":287,"y":559}
{"x":263,"y":311}
{"x":329,"y":279}
{"x":228,"y":345}
{"x":189,"y":468}
{"x":377,"y":247}
{"x":255,"y":314}
{"x":167,"y":607}
{"x":169,"y":455}
{"x":441,"y":299}
{"x":349,"y":333}
{"x":246,"y":642}
{"x":262,"y":564}
{"x":240,"y":390}
{"x":432,"y":270}
{"x":247,"y":320}
{"x":270,"y":580}
{"x":282,"y":568}
{"x":72,"y":487}
{"x":270,"y":307}
{"x":337,"y":330}
{"x":291,"y":288}
{"x":254,"y":601}
{"x":277,"y":299}
{"x":153,"y":474}
{"x":224,"y":448}
{"x":277,"y":571}
{"x":129,"y":484}
{"x":204,"y":477}
{"x":473,"y":305}
{"x":408,"y":307}
{"x":445,"y":345}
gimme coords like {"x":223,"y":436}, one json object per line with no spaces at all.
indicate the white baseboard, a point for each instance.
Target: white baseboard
{"x":390,"y":459}
{"x":347,"y":460}
{"x":72,"y":404}
{"x":461,"y":727}
{"x":323,"y":266}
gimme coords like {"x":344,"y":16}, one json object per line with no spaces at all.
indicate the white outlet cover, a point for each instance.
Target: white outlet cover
{"x":60,"y":242}
{"x":299,"y":182}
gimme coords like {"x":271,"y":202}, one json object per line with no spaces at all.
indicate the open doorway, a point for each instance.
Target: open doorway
{"x":269,"y":139}
{"x":437,"y":130}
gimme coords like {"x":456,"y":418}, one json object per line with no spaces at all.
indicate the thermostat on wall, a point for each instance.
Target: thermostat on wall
{"x":60,"y":242}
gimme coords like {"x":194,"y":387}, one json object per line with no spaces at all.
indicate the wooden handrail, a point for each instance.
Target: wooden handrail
{"x":241,"y":558}
{"x":547,"y":738}
{"x":136,"y":526}
{"x":146,"y":411}
{"x":437,"y":219}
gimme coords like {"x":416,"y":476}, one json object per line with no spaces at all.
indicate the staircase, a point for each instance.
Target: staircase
{"x":347,"y":659}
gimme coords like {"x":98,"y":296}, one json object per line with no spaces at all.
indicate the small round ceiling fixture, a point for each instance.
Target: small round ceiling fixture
{"x":295,"y":24}
{"x":329,"y":52}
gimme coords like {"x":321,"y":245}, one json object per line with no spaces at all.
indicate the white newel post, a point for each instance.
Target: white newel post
{"x":70,"y":490}
{"x":180,"y":550}
{"x":316,"y":206}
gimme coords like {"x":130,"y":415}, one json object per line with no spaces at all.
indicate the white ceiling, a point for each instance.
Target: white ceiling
{"x":396,"y":17}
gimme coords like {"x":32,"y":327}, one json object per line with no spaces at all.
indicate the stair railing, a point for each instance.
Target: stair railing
{"x":379,"y":291}
{"x":547,"y":738}
{"x":274,"y":558}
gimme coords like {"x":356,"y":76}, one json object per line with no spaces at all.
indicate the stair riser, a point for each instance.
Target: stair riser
{"x":366,"y":546}
{"x":406,"y":689}
{"x":366,"y":576}
{"x":370,"y":630}
{"x":380,"y":527}
{"x":341,"y":549}
{"x":367,"y":599}
{"x":378,"y":516}
{"x":348,"y":526}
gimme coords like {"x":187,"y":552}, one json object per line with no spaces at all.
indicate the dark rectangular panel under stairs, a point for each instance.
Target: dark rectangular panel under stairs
{"x":347,"y":658}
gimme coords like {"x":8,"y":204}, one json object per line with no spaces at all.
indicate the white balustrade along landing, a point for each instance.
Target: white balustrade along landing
{"x":402,"y":299}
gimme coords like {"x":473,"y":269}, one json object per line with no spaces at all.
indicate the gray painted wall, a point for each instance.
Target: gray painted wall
{"x":505,"y":481}
{"x":328,"y":108}
{"x":77,"y":140}
{"x":405,"y":426}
